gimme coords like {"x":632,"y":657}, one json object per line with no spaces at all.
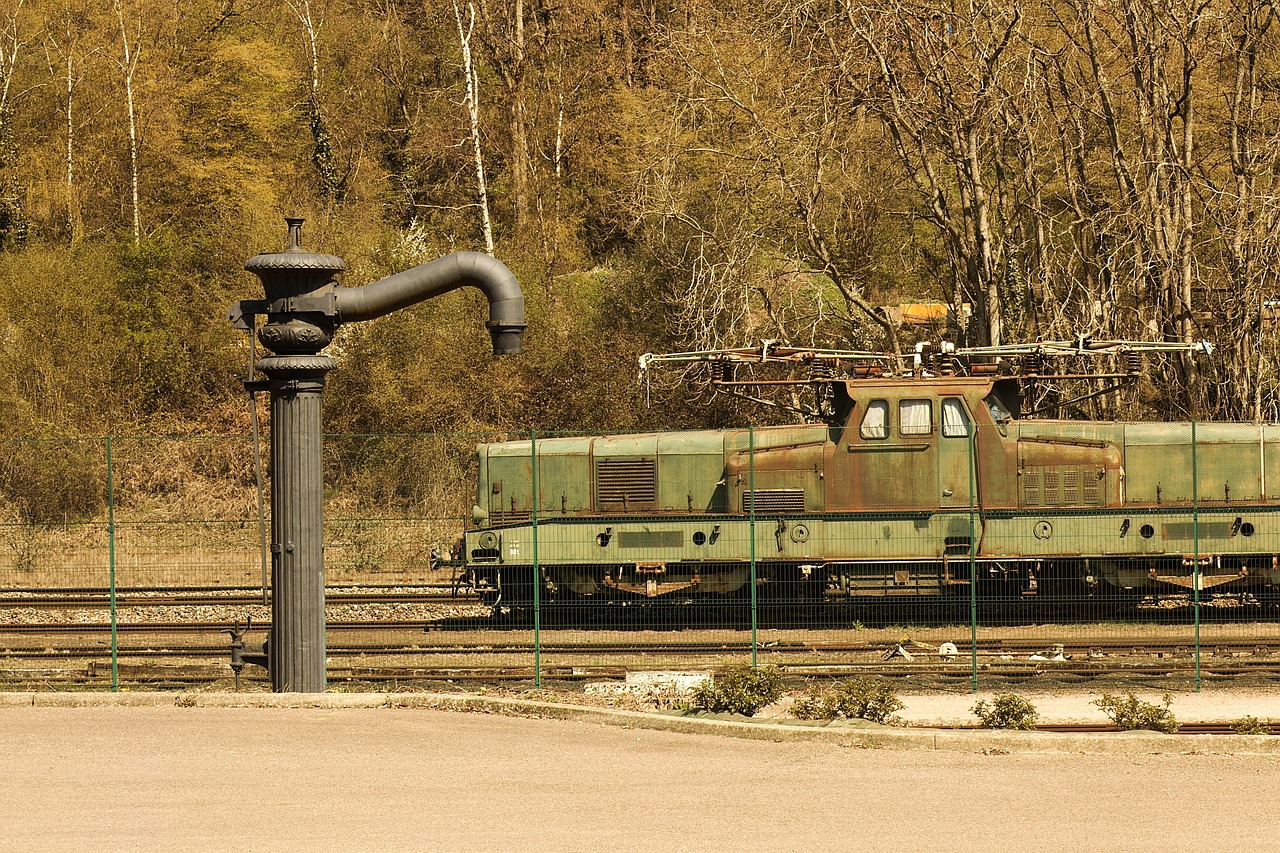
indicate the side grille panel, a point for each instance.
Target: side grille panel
{"x":1062,"y":486}
{"x":626,"y":485}
{"x":773,"y":501}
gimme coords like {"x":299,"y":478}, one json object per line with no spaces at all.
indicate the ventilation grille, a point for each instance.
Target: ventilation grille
{"x":773,"y":501}
{"x":626,"y":485}
{"x":1063,"y":487}
{"x":510,"y":516}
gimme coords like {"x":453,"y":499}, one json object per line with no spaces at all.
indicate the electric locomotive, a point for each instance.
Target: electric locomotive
{"x":919,"y":478}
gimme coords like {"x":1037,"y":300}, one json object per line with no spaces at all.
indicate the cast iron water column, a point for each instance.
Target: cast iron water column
{"x":304,"y":305}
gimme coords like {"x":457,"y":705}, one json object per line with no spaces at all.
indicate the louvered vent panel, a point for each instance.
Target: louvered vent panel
{"x":626,"y":484}
{"x":1031,"y":483}
{"x":1052,"y":492}
{"x":1071,"y":487}
{"x":1063,"y":487}
{"x":1092,"y":488}
{"x":511,"y":516}
{"x":773,"y":501}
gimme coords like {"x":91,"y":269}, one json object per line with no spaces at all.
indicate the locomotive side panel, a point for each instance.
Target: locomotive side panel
{"x":777,"y":470}
{"x":1229,"y":462}
{"x":691,"y":467}
{"x":1269,"y":437}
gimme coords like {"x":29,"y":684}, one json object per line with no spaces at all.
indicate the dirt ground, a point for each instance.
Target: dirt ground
{"x":316,"y":779}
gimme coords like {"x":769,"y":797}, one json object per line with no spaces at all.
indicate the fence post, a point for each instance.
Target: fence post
{"x":1195,"y":545}
{"x":537,"y":568}
{"x":751,"y":486}
{"x":111,"y":563}
{"x":973,"y":562}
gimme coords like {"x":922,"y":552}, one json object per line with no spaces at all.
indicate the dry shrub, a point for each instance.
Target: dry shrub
{"x":863,"y":698}
{"x":204,"y":478}
{"x":1006,"y":711}
{"x":739,"y":690}
{"x":1129,"y":712}
{"x":53,"y":481}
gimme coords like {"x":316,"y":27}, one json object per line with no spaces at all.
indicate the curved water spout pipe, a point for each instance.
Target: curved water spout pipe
{"x":461,"y":269}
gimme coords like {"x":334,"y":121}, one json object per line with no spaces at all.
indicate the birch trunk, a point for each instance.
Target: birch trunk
{"x":472,"y":104}
{"x":128,"y":66}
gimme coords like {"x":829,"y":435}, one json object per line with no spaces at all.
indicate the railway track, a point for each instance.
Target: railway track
{"x":858,"y":659}
{"x":508,"y":640}
{"x":501,"y":649}
{"x":603,"y":613}
{"x":193,"y":627}
{"x":1183,"y":728}
{"x":223,"y":596}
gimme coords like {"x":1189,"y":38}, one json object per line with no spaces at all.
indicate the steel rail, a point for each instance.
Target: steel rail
{"x":200,"y":596}
{"x":139,"y":673}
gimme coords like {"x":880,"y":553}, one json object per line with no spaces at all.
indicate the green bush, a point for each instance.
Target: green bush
{"x":1006,"y":711}
{"x":739,"y":690}
{"x":1129,"y":712}
{"x":1250,"y":725}
{"x":852,"y":698}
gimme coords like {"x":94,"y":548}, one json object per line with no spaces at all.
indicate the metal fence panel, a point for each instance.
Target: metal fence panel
{"x":985,"y":556}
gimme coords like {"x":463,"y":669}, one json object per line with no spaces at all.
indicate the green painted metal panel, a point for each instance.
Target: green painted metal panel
{"x":691,"y":483}
{"x":1047,"y":534}
{"x":1230,"y":459}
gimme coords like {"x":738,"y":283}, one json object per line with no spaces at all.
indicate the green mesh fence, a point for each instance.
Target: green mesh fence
{"x":940,"y":545}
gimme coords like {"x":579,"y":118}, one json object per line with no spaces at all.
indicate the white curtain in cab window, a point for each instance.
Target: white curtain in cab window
{"x":955,"y":423}
{"x":875,"y":424}
{"x":915,"y":417}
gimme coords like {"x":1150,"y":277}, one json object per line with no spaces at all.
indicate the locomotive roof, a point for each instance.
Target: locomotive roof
{"x":862,"y":387}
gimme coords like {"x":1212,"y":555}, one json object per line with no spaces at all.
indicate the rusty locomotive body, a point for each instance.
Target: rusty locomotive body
{"x":920,"y":486}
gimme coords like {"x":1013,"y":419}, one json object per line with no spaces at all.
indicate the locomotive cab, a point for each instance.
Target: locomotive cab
{"x":924,"y":444}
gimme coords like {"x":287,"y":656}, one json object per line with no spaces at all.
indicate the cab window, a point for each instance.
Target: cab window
{"x":999,"y":412}
{"x":955,"y":420}
{"x":915,"y":417}
{"x":875,"y":423}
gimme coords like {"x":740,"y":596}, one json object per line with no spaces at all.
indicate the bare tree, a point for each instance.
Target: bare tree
{"x":1140,"y":62}
{"x":946,"y":81}
{"x":128,"y":63}
{"x":333,"y":179}
{"x":501,"y":31}
{"x":785,"y":139}
{"x":65,"y":61}
{"x":471,"y":103}
{"x":1242,"y":199}
{"x":13,"y":219}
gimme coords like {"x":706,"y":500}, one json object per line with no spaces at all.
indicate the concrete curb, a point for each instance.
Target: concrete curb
{"x":859,"y":736}
{"x":873,"y":737}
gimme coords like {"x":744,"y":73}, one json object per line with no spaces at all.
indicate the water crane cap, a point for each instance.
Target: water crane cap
{"x":294,"y":257}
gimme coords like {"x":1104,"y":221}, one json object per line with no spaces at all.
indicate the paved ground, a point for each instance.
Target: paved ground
{"x":400,"y":779}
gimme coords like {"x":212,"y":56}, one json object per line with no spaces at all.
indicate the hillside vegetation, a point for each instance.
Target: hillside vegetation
{"x":659,"y":176}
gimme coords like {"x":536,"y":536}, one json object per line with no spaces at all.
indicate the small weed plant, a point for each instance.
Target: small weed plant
{"x":739,"y":690}
{"x":1006,"y":711}
{"x":852,"y":698}
{"x":1250,"y":725}
{"x":1129,"y":712}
